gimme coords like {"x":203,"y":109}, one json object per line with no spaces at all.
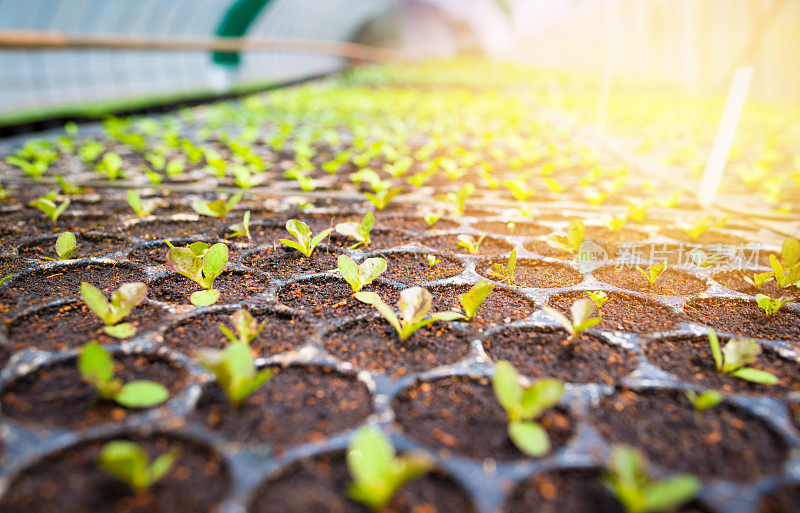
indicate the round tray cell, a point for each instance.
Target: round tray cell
{"x":234,"y":287}
{"x":413,"y":268}
{"x":283,"y":263}
{"x":517,"y":229}
{"x":88,"y":246}
{"x":531,"y":273}
{"x":447,"y":243}
{"x":331,"y":297}
{"x":670,"y":282}
{"x":734,"y":280}
{"x":500,"y":307}
{"x":744,"y":318}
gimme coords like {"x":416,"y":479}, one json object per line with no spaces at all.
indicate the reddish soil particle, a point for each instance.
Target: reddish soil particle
{"x":462,"y":415}
{"x":70,"y":480}
{"x":331,"y":297}
{"x":447,"y":243}
{"x":234,"y":287}
{"x":317,"y":486}
{"x":500,"y":307}
{"x":283,"y":263}
{"x":534,"y":273}
{"x":744,"y":318}
{"x":670,"y":282}
{"x":413,"y":269}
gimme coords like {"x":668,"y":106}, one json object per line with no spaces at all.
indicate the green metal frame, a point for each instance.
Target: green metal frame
{"x":237,"y":20}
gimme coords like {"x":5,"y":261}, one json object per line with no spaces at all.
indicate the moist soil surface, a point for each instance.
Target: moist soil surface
{"x":318,"y":486}
{"x":622,"y":312}
{"x":234,"y":287}
{"x":734,"y":280}
{"x":169,"y":228}
{"x":711,"y":236}
{"x":283,"y":263}
{"x":38,"y":398}
{"x":515,"y":229}
{"x":669,"y":282}
{"x":88,"y":246}
{"x":744,"y":318}
{"x":541,"y":352}
{"x":69,"y":326}
{"x":70,"y":480}
{"x":500,"y":307}
{"x":282,"y":332}
{"x":374,"y":344}
{"x":412,"y":268}
{"x":447,"y":243}
{"x":298,"y":405}
{"x":690,"y":360}
{"x":414,"y":223}
{"x":331,"y":297}
{"x":723,"y":442}
{"x":380,"y":238}
{"x":781,"y":500}
{"x":462,"y":415}
{"x":534,"y":273}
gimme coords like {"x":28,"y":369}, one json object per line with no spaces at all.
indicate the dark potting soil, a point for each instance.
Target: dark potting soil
{"x":374,"y":344}
{"x":734,"y":280}
{"x":690,"y":359}
{"x":785,"y":499}
{"x":711,"y":236}
{"x":283,"y":263}
{"x":298,"y":405}
{"x":88,"y":246}
{"x":744,"y":318}
{"x":70,"y":481}
{"x":413,"y":269}
{"x":331,"y":297}
{"x":234,"y":287}
{"x":447,"y":243}
{"x":414,"y":223}
{"x":517,"y":229}
{"x":462,"y":415}
{"x":64,"y":281}
{"x":167,"y":228}
{"x":380,"y":238}
{"x":499,"y":307}
{"x":723,"y":442}
{"x":670,"y":282}
{"x":39,"y":397}
{"x":534,"y":273}
{"x":319,"y":485}
{"x":282,"y":332}
{"x":542,"y":248}
{"x":69,"y":326}
{"x":542,"y":352}
{"x":11,"y":265}
{"x":622,"y":312}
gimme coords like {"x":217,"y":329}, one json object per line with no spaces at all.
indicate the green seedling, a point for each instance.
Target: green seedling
{"x":6,"y":278}
{"x":784,"y":277}
{"x":66,"y":246}
{"x":67,"y":189}
{"x":359,"y":231}
{"x":176,"y":166}
{"x":140,"y":207}
{"x":525,"y":404}
{"x":359,"y":276}
{"x":245,"y":178}
{"x":90,"y":150}
{"x":235,"y":371}
{"x":733,"y":358}
{"x":111,"y":165}
{"x":127,"y":297}
{"x":302,"y":233}
{"x":790,"y":252}
{"x":49,"y":207}
{"x":627,"y":478}
{"x":130,"y":463}
{"x":217,"y":208}
{"x":599,"y":298}
{"x":759,"y":279}
{"x":378,"y":474}
{"x":432,"y":260}
{"x":653,"y":272}
{"x":555,"y":186}
{"x":33,"y":169}
{"x":97,"y":369}
{"x":581,"y":311}
{"x":472,"y":300}
{"x":246,"y":326}
{"x":241,"y":229}
{"x":697,"y":229}
{"x":571,"y":243}
{"x":201,"y":263}
{"x":772,"y":306}
{"x":414,"y":305}
{"x":616,"y":224}
{"x":153,"y":177}
{"x":470,"y":243}
{"x":519,"y":189}
{"x":431,"y":218}
{"x":505,"y":273}
{"x":458,"y":199}
{"x":704,"y":400}
{"x":381,"y":199}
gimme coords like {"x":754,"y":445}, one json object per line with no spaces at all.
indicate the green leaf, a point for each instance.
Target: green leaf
{"x":162,"y":465}
{"x":349,"y":271}
{"x":581,"y":310}
{"x":214,"y":261}
{"x":185,"y":262}
{"x":370,"y":454}
{"x":755,"y":376}
{"x":790,"y":251}
{"x":542,"y":395}
{"x":141,"y":394}
{"x":670,"y":493}
{"x":204,"y":297}
{"x":739,"y":352}
{"x":507,"y":388}
{"x":317,"y":239}
{"x":704,"y":401}
{"x":529,"y":437}
{"x":293,"y":245}
{"x":66,"y":246}
{"x":125,"y":461}
{"x":576,"y":232}
{"x":127,"y":297}
{"x":474,"y":298}
{"x":372,"y":298}
{"x":414,"y":304}
{"x":559,"y":318}
{"x":716,"y":352}
{"x":370,"y":269}
{"x":300,"y":230}
{"x":95,"y":364}
{"x":95,"y":300}
{"x":123,"y":330}
{"x":250,"y":385}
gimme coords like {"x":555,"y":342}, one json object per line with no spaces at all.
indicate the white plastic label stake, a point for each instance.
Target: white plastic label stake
{"x":718,"y":158}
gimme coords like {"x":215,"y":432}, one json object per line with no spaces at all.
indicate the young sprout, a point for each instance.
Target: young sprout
{"x":153,"y":177}
{"x":525,"y":404}
{"x":519,"y":189}
{"x":97,"y":369}
{"x":201,"y":263}
{"x":653,"y":272}
{"x":66,"y":246}
{"x":241,"y":229}
{"x":784,"y":277}
{"x":616,"y":224}
{"x":469,"y":243}
{"x":49,"y":207}
{"x":599,"y":298}
{"x":130,"y":463}
{"x":6,"y":278}
{"x":704,"y":400}
{"x":378,"y":474}
{"x":111,"y":165}
{"x":432,"y":260}
{"x":696,"y":229}
{"x":305,"y":244}
{"x":414,"y":305}
{"x":771,"y":306}
{"x":581,"y":320}
{"x":576,"y":232}
{"x":246,"y":326}
{"x":431,"y":218}
{"x":458,"y":199}
{"x":127,"y":297}
{"x":555,"y":186}
{"x":359,"y":276}
{"x":381,"y":199}
{"x":235,"y":371}
{"x":503,"y":273}
{"x":627,"y":478}
{"x":736,"y":354}
{"x":217,"y":208}
{"x":790,"y":251}
{"x":141,"y":208}
{"x":359,"y":231}
{"x":474,"y":297}
{"x":67,"y":189}
{"x":759,"y":279}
